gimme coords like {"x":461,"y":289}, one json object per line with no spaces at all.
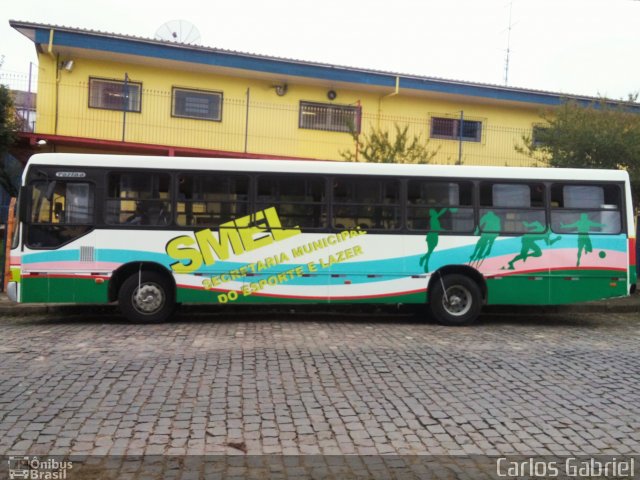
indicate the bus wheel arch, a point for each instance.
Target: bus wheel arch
{"x":151,"y":279}
{"x":456,"y":294}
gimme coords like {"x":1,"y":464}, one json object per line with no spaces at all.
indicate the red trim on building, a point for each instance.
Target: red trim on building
{"x":143,"y":148}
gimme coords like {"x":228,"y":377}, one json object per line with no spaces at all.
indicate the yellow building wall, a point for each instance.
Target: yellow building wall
{"x":269,"y":125}
{"x":46,"y":97}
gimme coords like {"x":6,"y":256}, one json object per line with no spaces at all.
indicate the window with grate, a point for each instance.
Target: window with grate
{"x":115,"y":95}
{"x":197,"y":104}
{"x":539,"y":135}
{"x":449,"y":128}
{"x":330,"y":117}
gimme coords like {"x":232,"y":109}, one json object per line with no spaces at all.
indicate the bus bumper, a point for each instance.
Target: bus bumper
{"x":12,"y":291}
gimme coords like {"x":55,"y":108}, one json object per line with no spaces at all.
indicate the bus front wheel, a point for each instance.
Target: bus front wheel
{"x":455,"y":300}
{"x":146,"y":297}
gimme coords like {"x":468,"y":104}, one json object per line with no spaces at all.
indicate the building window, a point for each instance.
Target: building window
{"x":449,"y":128}
{"x":334,"y":118}
{"x":115,"y":95}
{"x":539,"y":135}
{"x":198,"y":104}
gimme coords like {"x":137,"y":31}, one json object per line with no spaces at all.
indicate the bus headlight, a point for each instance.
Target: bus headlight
{"x":12,"y":291}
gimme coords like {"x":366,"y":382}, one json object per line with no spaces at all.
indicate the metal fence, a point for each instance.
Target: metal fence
{"x":249,"y":124}
{"x":23,"y":88}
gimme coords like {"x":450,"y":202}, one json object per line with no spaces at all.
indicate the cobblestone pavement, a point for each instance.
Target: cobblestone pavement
{"x":320,"y":383}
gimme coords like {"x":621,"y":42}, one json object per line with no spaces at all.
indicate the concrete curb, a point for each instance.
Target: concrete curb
{"x":607,"y":306}
{"x":629,"y":304}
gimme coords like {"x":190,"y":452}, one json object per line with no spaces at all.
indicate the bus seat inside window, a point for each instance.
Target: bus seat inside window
{"x":511,"y":195}
{"x":583,"y":196}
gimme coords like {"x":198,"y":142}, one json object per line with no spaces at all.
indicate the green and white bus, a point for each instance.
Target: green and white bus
{"x":155,"y":232}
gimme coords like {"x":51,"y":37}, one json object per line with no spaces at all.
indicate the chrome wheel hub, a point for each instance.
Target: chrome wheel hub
{"x":457,"y":300}
{"x":148,"y":298}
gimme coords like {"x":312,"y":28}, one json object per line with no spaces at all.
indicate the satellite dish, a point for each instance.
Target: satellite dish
{"x":179,"y":31}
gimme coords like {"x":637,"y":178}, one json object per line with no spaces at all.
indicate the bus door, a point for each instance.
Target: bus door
{"x":62,"y":210}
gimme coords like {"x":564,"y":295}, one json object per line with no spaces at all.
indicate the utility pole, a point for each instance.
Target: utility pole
{"x":460,"y":133}
{"x":125,"y":104}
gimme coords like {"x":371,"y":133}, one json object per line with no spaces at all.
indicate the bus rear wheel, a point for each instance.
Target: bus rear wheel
{"x":455,"y":300}
{"x":147,"y":297}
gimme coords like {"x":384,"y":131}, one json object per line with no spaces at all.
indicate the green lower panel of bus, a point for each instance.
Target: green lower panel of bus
{"x":63,"y":290}
{"x":86,"y":290}
{"x":518,"y":290}
{"x":556,"y":288}
{"x":574,"y":286}
{"x":569,"y":286}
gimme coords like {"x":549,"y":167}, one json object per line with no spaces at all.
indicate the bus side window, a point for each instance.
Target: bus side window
{"x":440,"y":206}
{"x":211,"y":199}
{"x":299,"y":199}
{"x":366,"y":203}
{"x":137,"y":198}
{"x":515,"y":208}
{"x":586,"y":208}
{"x":60,"y":212}
{"x":79,"y":203}
{"x":67,"y":203}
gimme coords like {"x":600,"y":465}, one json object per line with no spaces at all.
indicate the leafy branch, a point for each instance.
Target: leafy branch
{"x":380,"y":146}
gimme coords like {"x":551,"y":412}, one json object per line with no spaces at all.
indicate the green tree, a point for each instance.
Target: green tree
{"x":599,"y":135}
{"x":379,"y":146}
{"x":9,"y":127}
{"x":8,"y":120}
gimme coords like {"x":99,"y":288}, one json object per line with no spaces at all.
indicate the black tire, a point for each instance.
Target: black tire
{"x":158,"y":304}
{"x":462,"y":303}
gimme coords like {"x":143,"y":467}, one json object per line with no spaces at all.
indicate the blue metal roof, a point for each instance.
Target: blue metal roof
{"x":149,"y":48}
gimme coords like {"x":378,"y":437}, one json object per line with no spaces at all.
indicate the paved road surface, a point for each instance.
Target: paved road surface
{"x":320,"y":383}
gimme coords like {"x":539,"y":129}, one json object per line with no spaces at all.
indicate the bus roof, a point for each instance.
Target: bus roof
{"x":320,"y":167}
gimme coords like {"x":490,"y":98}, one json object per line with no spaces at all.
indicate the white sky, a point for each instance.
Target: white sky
{"x":588,"y":47}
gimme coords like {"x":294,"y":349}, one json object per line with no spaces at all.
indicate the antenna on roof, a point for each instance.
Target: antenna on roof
{"x":179,"y":31}
{"x":506,"y":62}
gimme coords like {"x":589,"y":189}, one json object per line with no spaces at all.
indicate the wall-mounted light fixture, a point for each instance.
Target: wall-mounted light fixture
{"x":41,"y":143}
{"x":68,"y":65}
{"x":281,"y":89}
{"x":331,"y":94}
